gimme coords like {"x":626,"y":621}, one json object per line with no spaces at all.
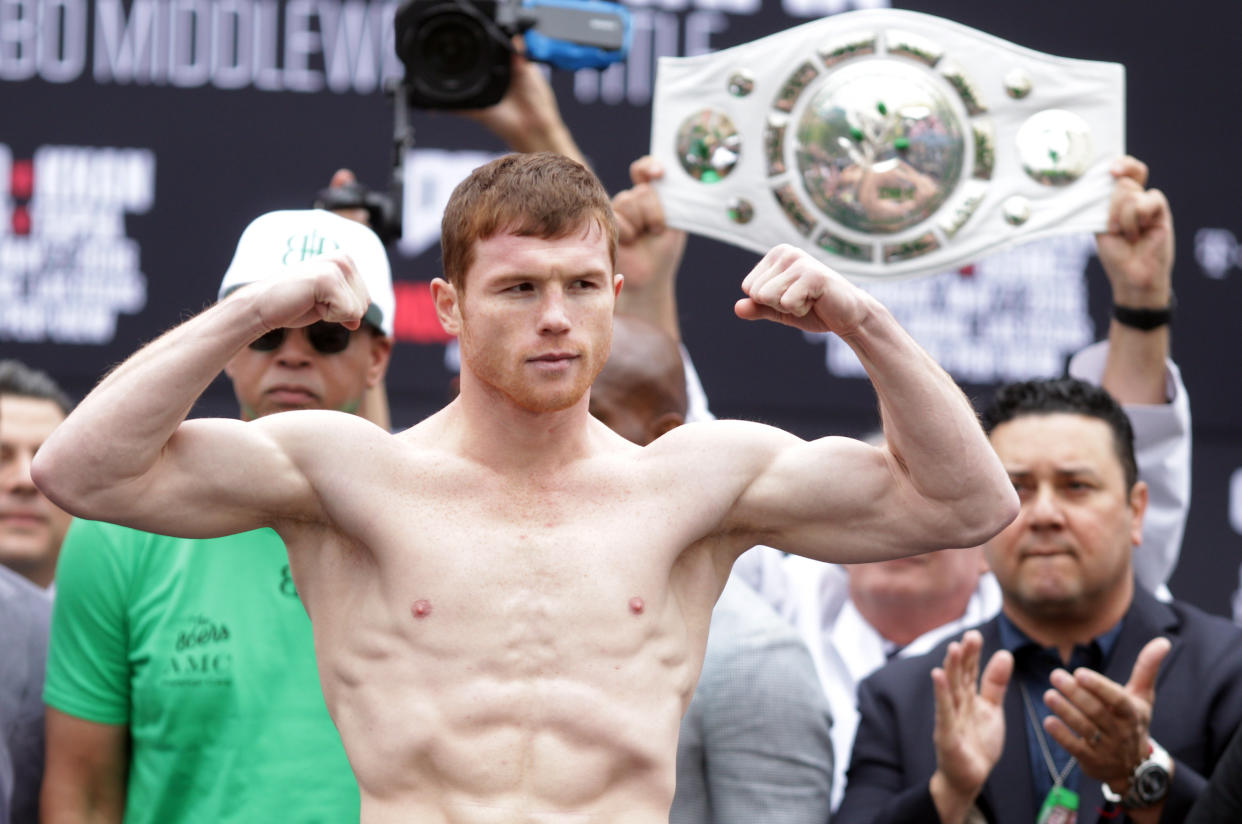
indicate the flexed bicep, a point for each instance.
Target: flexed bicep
{"x":813,"y":498}
{"x":214,"y":477}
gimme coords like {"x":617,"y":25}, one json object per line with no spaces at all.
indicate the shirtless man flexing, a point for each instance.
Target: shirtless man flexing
{"x":510,"y":602}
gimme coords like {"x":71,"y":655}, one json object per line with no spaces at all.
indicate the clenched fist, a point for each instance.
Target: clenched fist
{"x":791,"y":287}
{"x":326,"y":288}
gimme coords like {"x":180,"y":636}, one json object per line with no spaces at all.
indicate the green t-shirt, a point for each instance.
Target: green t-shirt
{"x":203,"y":649}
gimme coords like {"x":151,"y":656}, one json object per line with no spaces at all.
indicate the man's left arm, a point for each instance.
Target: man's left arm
{"x":1137,"y":254}
{"x":1105,"y":726}
{"x":936,"y":483}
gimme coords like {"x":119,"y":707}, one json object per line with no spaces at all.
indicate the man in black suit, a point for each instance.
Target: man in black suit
{"x":1113,"y":693}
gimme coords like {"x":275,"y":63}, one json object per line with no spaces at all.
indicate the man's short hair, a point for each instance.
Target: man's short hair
{"x":18,"y":379}
{"x":1071,"y":396}
{"x":541,"y":194}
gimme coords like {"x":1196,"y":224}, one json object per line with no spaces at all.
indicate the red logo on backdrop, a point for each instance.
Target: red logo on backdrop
{"x":21,"y":180}
{"x":21,"y":186}
{"x":416,"y":319}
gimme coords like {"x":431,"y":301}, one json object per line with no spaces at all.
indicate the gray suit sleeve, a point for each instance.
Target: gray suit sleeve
{"x":768,"y":752}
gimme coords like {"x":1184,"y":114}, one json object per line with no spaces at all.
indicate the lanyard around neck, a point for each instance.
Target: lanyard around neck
{"x":1057,"y":779}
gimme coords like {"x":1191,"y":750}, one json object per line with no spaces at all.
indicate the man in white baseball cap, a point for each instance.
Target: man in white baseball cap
{"x":325,"y":365}
{"x":181,"y":682}
{"x":276,"y":240}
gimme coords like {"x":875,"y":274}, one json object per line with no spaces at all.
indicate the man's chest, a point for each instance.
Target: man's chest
{"x":555,"y":530}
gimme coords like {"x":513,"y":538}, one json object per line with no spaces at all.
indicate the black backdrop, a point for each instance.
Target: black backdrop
{"x":137,"y":139}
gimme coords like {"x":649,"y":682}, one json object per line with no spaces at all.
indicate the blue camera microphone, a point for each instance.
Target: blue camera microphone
{"x":577,"y":34}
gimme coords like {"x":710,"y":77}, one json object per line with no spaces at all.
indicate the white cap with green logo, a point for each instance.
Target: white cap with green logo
{"x":277,"y":240}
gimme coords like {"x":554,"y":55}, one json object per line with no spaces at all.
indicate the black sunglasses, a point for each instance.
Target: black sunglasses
{"x":326,"y":338}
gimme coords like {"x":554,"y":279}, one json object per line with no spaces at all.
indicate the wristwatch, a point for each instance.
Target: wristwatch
{"x":1150,"y":782}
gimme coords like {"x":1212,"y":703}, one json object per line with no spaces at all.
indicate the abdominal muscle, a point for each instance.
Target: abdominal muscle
{"x":498,"y":707}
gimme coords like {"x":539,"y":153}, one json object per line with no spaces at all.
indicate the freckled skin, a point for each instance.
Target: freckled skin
{"x":421,"y":608}
{"x":636,"y":605}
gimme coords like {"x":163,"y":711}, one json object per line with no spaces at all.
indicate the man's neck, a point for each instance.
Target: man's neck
{"x":1066,"y":630}
{"x":902,"y":623}
{"x":496,"y":431}
{"x":41,"y":573}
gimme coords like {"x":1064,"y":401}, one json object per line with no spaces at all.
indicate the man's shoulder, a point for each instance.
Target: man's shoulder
{"x":22,"y":602}
{"x":1197,"y":627}
{"x":709,"y":446}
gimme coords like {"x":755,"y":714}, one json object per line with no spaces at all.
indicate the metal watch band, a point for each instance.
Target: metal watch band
{"x":1142,"y":791}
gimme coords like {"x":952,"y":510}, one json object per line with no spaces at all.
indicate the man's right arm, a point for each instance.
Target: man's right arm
{"x":87,"y":687}
{"x":1134,"y":365}
{"x":87,"y":765}
{"x":127,"y":455}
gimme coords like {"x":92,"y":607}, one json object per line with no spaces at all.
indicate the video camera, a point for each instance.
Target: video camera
{"x":457,"y":53}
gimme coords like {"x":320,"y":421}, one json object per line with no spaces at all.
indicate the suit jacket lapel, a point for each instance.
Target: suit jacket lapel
{"x":1145,"y":619}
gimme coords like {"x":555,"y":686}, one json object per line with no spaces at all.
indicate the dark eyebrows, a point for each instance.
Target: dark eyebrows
{"x":1069,"y":472}
{"x":1077,"y":472}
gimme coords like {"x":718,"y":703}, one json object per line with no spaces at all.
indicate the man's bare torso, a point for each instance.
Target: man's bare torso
{"x":510,"y":646}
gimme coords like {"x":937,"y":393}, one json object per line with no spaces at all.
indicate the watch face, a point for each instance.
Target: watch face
{"x":1151,"y":783}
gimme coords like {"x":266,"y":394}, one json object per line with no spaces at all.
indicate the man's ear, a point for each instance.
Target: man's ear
{"x":448,"y":308}
{"x":380,"y":354}
{"x":1138,"y":506}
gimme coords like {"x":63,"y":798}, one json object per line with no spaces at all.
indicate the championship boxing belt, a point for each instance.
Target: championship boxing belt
{"x":888,"y":143}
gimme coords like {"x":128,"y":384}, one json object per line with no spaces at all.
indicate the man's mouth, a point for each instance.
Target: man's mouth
{"x":23,"y":519}
{"x":1046,"y":551}
{"x":553,"y":359}
{"x":290,"y":394}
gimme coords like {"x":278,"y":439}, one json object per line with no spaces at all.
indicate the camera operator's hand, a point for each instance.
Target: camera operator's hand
{"x":527,"y":118}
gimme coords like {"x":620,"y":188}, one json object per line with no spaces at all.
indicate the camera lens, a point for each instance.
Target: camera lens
{"x":456,"y":53}
{"x":452,"y":55}
{"x":452,"y":47}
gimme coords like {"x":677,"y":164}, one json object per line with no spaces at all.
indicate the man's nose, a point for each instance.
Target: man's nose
{"x":1044,"y":508}
{"x":553,"y":314}
{"x":295,"y":350}
{"x":15,"y":473}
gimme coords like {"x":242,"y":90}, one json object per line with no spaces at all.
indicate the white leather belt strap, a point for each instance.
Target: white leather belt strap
{"x":889,"y":143}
